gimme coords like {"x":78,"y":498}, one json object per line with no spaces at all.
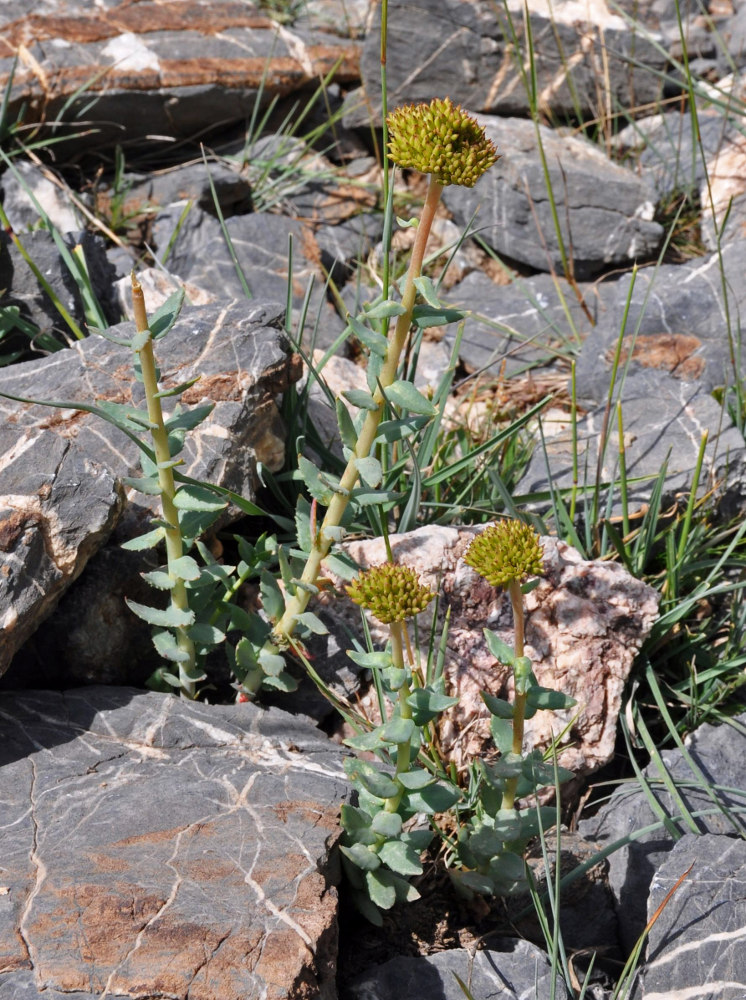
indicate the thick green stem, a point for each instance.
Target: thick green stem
{"x":298,"y":602}
{"x":159,"y":436}
{"x":519,"y":702}
{"x":403,"y":750}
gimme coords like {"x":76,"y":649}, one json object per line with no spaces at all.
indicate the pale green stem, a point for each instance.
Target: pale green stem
{"x":403,"y":750}
{"x":159,"y":436}
{"x":298,"y":602}
{"x":519,"y":702}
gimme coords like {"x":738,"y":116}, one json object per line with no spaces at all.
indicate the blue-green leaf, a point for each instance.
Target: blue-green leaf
{"x":541,"y":697}
{"x":370,"y":471}
{"x":502,"y":709}
{"x":168,"y":648}
{"x":427,"y":704}
{"x":360,"y":398}
{"x":398,"y":730}
{"x":404,"y":394}
{"x":147,"y":541}
{"x":384,"y":310}
{"x":499,"y":649}
{"x":360,"y":855}
{"x":401,"y":858}
{"x":205,"y":635}
{"x":198,"y":498}
{"x":149,"y":485}
{"x":159,"y":579}
{"x":165,"y":315}
{"x":372,"y":339}
{"x":185,"y":568}
{"x":170,"y":617}
{"x":387,"y":824}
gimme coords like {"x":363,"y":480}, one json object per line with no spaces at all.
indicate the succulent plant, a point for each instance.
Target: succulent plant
{"x":441,"y":139}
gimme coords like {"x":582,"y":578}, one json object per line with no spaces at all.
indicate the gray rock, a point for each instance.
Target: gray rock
{"x":515,"y":970}
{"x":679,"y":320}
{"x":203,"y":184}
{"x":521,"y":324}
{"x":695,"y":946}
{"x":155,"y":847}
{"x":465,"y":50}
{"x":57,"y":506}
{"x":718,"y":752}
{"x":244,"y":363}
{"x":22,"y":288}
{"x":173,"y":73}
{"x":605,"y":212}
{"x":27,"y":183}
{"x":261,"y":243}
{"x":667,"y":433}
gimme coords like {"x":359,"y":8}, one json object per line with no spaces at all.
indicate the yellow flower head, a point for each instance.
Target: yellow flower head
{"x":392,"y":593}
{"x":508,"y":550}
{"x":439,"y":138}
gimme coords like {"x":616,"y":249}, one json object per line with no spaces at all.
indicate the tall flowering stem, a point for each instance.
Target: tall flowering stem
{"x":159,"y":435}
{"x":439,"y":139}
{"x":394,"y":594}
{"x":505,"y":554}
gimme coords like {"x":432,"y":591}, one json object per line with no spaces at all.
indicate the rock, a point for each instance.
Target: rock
{"x":679,"y":320}
{"x":666,"y":435}
{"x":512,"y":970}
{"x":27,"y":183}
{"x":57,"y":507}
{"x":153,"y":846}
{"x":695,"y":946}
{"x":244,"y":362}
{"x":467,"y":53}
{"x":584,"y":623}
{"x":159,"y":69}
{"x":714,"y":751}
{"x":519,"y":325}
{"x":605,"y":212}
{"x":22,"y":287}
{"x":204,"y":184}
{"x":261,"y":243}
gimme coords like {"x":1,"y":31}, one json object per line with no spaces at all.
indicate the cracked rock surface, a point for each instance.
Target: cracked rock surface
{"x":157,"y":848}
{"x":59,"y":498}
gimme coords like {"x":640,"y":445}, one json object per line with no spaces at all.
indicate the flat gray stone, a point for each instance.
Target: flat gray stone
{"x":664,"y":420}
{"x":467,"y":53}
{"x":718,"y":751}
{"x":156,"y":847}
{"x":605,"y":211}
{"x":696,"y":946}
{"x":515,"y":970}
{"x":161,"y":71}
{"x":67,"y":458}
{"x":680,"y":320}
{"x":57,"y":507}
{"x":261,"y":242}
{"x":522,"y":324}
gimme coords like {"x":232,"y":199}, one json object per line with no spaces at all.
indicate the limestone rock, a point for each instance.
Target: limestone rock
{"x":244,"y":362}
{"x":57,"y":506}
{"x":696,"y":944}
{"x":261,"y":243}
{"x":510,"y":970}
{"x":667,"y":434}
{"x":716,"y":754}
{"x":605,"y":212}
{"x":585,"y":621}
{"x":155,"y":847}
{"x":180,"y":61}
{"x":467,"y":53}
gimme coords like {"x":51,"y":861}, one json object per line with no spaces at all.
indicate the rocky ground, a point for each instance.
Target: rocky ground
{"x":155,"y":848}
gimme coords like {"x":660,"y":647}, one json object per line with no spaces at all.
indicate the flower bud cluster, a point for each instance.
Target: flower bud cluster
{"x":508,"y":550}
{"x":439,"y":138}
{"x":392,"y":593}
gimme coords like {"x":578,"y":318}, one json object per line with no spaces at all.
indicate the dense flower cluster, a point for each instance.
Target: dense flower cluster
{"x":508,"y":550}
{"x":392,"y":593}
{"x":439,"y":138}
